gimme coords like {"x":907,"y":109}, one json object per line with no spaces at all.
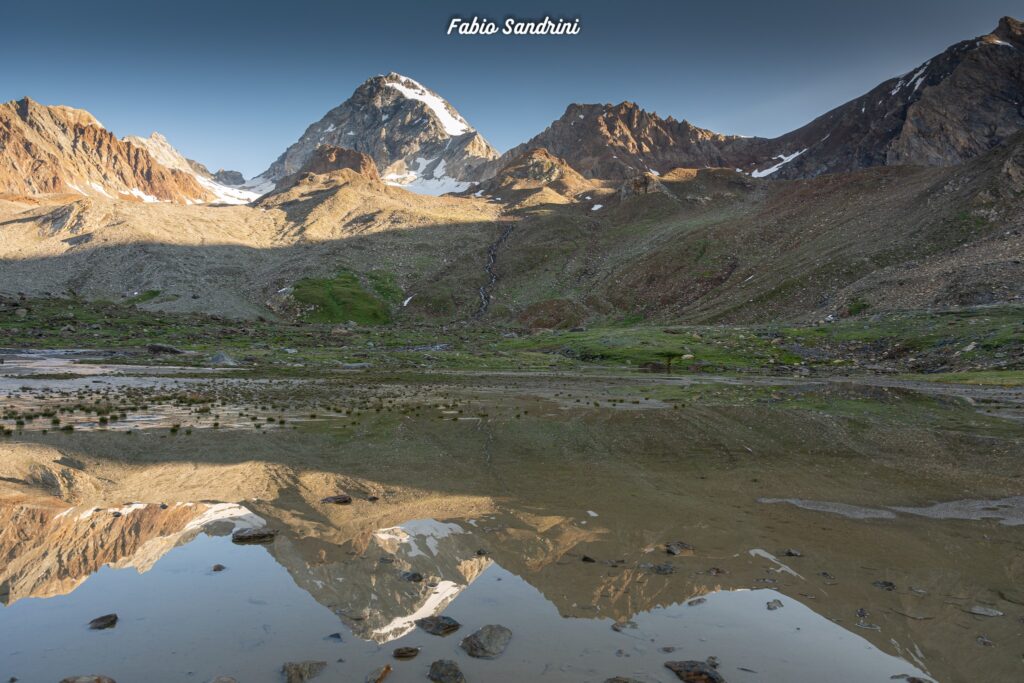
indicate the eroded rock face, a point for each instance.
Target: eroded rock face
{"x":409,"y":132}
{"x":51,"y":149}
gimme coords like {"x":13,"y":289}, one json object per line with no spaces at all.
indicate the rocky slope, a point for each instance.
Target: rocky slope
{"x":226,"y":193}
{"x":414,"y":136}
{"x":536,"y":176}
{"x":58,"y":149}
{"x":952,"y":108}
{"x":698,"y":245}
{"x":621,"y":141}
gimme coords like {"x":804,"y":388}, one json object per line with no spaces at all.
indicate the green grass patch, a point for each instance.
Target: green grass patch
{"x":385,"y":285}
{"x":340,"y":299}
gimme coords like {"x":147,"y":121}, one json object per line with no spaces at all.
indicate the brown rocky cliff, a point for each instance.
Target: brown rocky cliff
{"x":47,"y":149}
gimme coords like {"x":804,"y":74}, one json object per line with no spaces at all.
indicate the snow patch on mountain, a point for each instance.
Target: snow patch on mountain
{"x":165,"y":153}
{"x":452,"y":123}
{"x":786,"y":158}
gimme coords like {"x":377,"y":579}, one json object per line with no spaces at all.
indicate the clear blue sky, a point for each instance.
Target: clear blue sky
{"x":232,"y":83}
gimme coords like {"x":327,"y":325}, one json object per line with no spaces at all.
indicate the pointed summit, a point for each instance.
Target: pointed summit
{"x":414,"y":136}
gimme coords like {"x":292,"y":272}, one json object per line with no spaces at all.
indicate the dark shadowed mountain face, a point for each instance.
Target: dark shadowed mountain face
{"x":953,"y":107}
{"x":413,"y":135}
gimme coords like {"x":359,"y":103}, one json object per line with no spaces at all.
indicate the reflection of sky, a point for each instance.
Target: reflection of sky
{"x":180,"y":617}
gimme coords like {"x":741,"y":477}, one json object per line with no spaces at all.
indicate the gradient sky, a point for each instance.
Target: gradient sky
{"x":233,"y":83}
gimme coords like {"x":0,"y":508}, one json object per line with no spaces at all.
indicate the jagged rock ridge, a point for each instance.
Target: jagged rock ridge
{"x":59,"y":149}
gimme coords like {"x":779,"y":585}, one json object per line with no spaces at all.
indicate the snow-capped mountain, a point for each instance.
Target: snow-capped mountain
{"x":162,"y":150}
{"x":416,"y":138}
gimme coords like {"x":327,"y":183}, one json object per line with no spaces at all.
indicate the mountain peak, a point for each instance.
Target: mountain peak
{"x":1010,"y":29}
{"x":415,"y":137}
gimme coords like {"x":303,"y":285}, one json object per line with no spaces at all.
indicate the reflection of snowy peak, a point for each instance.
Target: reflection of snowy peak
{"x":375,"y":593}
{"x":415,"y":137}
{"x":162,"y":150}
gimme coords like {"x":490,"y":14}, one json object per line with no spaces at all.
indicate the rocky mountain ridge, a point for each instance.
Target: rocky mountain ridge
{"x":952,"y":108}
{"x":415,"y":137}
{"x":64,"y":150}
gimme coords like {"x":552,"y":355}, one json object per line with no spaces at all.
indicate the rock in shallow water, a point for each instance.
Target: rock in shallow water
{"x":438,"y":626}
{"x":678,"y":548}
{"x":378,"y":675}
{"x":106,"y":621}
{"x":487,"y":643}
{"x":300,"y":672}
{"x":446,"y":671}
{"x":692,"y":671}
{"x":340,"y":499}
{"x":775,"y":604}
{"x":405,"y":652}
{"x":88,"y":679}
{"x":244,"y":536}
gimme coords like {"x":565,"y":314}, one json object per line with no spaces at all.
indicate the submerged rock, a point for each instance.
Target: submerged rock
{"x":299,"y":672}
{"x":775,"y":604}
{"x":218,"y":568}
{"x":340,"y":499}
{"x":106,"y":621}
{"x":88,"y":679}
{"x":445,"y":671}
{"x":693,"y":671}
{"x":405,"y":652}
{"x":379,"y":674}
{"x":981,"y":611}
{"x":679,"y":548}
{"x":438,"y":626}
{"x":487,"y":643}
{"x":163,"y":348}
{"x":245,"y":536}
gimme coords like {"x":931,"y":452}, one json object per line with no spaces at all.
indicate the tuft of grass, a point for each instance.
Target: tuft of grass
{"x":340,"y":299}
{"x":142,"y":298}
{"x":385,"y":285}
